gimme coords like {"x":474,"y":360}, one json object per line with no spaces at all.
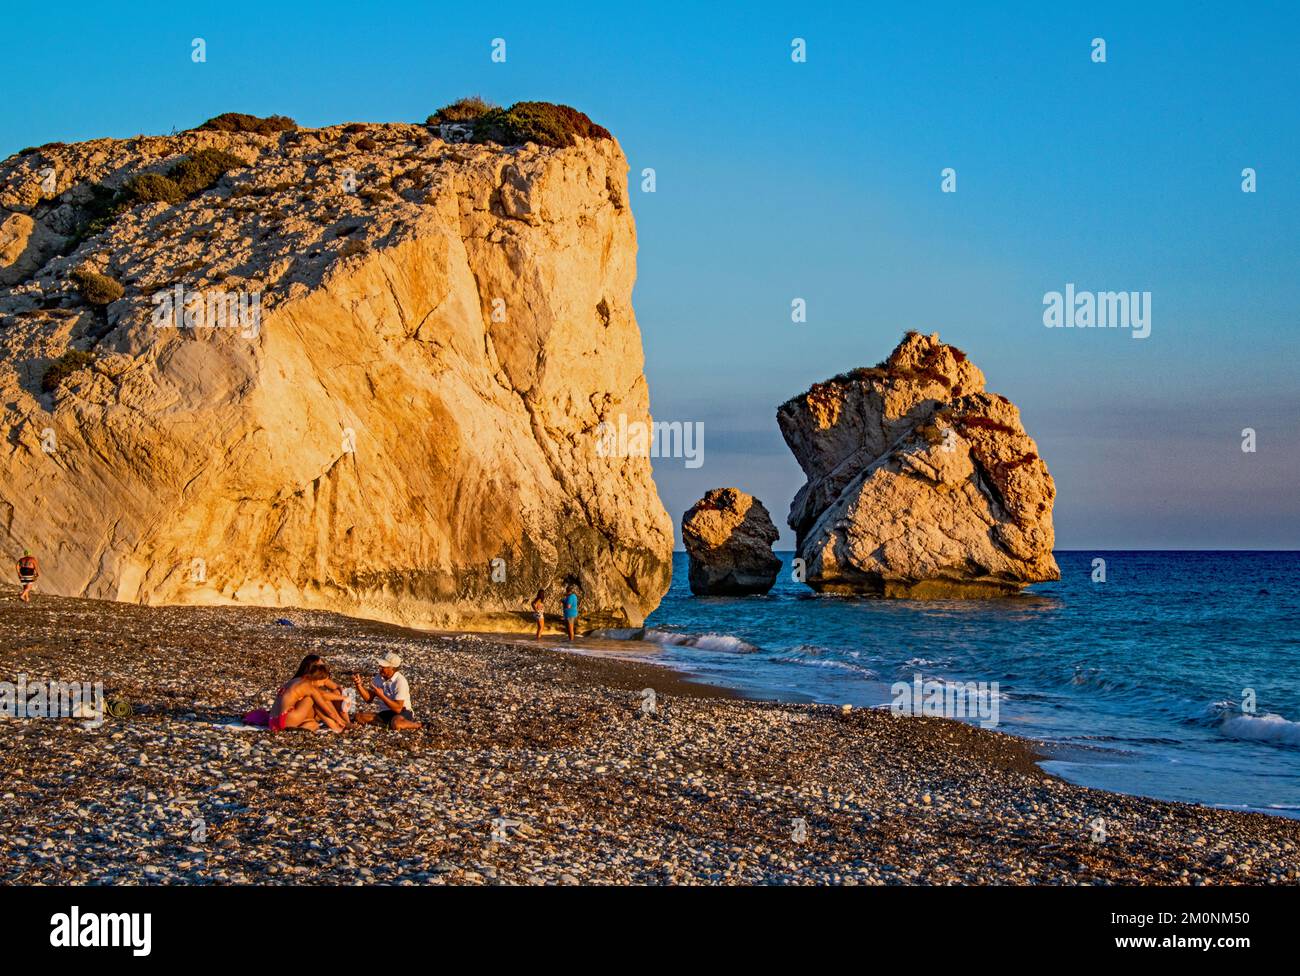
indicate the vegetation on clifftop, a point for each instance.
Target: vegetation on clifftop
{"x":240,"y":122}
{"x":184,"y":180}
{"x":462,"y":110}
{"x":152,"y":188}
{"x":202,"y":170}
{"x":544,"y":123}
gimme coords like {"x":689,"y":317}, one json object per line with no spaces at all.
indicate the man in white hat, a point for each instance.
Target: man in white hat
{"x":390,"y":687}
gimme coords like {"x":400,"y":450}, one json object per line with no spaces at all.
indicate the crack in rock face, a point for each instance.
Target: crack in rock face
{"x":920,"y":483}
{"x":360,"y":371}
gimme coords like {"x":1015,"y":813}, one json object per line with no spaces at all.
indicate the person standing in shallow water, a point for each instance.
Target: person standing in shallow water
{"x":571,"y":610}
{"x":539,"y":609}
{"x":28,"y":571}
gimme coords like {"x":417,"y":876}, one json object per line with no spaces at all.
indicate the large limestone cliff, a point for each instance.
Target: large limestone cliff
{"x":408,"y":432}
{"x":920,"y":483}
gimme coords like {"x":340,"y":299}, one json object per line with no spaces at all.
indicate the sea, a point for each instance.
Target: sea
{"x":1173,"y":675}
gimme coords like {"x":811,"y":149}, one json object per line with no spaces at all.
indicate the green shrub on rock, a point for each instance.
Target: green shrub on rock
{"x":96,"y":288}
{"x":202,"y":170}
{"x":154,"y":188}
{"x":461,"y":110}
{"x":187,"y":178}
{"x":544,"y":123}
{"x":239,"y":122}
{"x":96,"y":215}
{"x":63,"y":367}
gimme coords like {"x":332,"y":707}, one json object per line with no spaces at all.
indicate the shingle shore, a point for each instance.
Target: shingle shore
{"x":534,"y":767}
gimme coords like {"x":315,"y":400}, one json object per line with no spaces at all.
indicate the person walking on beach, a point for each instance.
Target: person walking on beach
{"x":571,"y":610}
{"x":394,"y":693}
{"x":28,"y":571}
{"x":539,"y":609}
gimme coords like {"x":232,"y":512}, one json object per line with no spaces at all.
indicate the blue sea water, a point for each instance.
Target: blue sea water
{"x":1135,"y":684}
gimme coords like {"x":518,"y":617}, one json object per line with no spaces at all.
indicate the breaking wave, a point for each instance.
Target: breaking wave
{"x":1262,"y":728}
{"x":705,"y":642}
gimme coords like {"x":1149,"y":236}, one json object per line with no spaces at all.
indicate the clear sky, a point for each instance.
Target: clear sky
{"x":821,"y":180}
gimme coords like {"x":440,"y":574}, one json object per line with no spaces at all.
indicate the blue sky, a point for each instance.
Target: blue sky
{"x":821,"y":180}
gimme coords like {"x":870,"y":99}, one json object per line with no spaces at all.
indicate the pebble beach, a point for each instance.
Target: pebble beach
{"x":534,"y":766}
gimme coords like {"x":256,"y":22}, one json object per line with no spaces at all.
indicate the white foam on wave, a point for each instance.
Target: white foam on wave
{"x":813,"y":655}
{"x":1262,"y":728}
{"x":917,"y":663}
{"x":710,"y":641}
{"x":705,"y":642}
{"x":963,"y":683}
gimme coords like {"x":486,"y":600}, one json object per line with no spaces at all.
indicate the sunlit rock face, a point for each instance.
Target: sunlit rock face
{"x":396,"y":418}
{"x":728,"y":536}
{"x":920,"y":483}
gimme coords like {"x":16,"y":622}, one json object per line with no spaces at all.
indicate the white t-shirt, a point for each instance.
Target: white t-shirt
{"x":396,"y":688}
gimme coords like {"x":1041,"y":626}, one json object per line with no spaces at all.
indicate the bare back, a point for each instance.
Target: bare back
{"x":290,"y":695}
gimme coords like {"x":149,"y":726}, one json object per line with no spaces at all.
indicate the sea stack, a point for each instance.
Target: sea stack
{"x":920,"y":483}
{"x":728,"y":536}
{"x":355,"y":368}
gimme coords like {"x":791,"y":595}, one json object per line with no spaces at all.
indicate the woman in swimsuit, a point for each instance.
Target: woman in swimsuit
{"x":28,"y":570}
{"x":305,"y":666}
{"x":304,"y":703}
{"x":539,"y":608}
{"x":329,"y":696}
